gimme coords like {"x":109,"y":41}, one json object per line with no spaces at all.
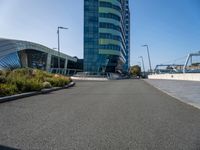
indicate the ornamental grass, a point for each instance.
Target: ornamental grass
{"x":27,"y":80}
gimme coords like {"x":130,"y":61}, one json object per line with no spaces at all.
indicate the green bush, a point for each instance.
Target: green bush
{"x":32,"y":85}
{"x":7,"y":73}
{"x":7,"y":90}
{"x":27,"y":80}
{"x":2,"y":73}
{"x":56,"y":82}
{"x":135,"y":70}
{"x":46,"y":85}
{"x":23,"y":71}
{"x":3,"y":79}
{"x":41,"y":75}
{"x":27,"y":85}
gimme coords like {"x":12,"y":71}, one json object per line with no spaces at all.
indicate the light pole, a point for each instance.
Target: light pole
{"x":148,"y":56}
{"x":58,"y":32}
{"x":142,"y":64}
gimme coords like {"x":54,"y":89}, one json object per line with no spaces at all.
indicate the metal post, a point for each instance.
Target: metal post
{"x":142,"y":64}
{"x":148,"y":57}
{"x":58,"y":49}
{"x":59,"y":46}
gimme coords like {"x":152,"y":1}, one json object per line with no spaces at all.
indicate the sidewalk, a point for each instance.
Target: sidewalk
{"x":186,"y":91}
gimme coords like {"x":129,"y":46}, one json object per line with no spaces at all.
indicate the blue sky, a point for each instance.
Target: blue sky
{"x":171,"y":28}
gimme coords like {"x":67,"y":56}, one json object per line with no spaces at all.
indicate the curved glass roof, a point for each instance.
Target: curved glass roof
{"x":8,"y":46}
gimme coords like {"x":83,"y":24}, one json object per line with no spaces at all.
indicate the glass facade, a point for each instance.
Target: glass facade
{"x":36,"y":59}
{"x":127,"y":34}
{"x":106,"y":35}
{"x":16,"y":54}
{"x":11,"y":61}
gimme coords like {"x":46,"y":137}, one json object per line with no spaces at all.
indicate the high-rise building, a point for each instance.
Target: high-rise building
{"x":106,"y":36}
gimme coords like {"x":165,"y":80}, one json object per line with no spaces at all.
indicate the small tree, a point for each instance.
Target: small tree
{"x":135,"y":70}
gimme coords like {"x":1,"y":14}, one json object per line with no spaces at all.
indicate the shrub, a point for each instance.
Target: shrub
{"x":32,"y":85}
{"x":2,"y":73}
{"x":41,"y":75}
{"x":25,"y":85}
{"x":7,"y":89}
{"x":55,"y":82}
{"x":58,"y":81}
{"x":23,"y":71}
{"x":7,"y":73}
{"x":135,"y":70}
{"x":46,"y":85}
{"x":12,"y":75}
{"x":27,"y":80}
{"x":19,"y":82}
{"x":3,"y":79}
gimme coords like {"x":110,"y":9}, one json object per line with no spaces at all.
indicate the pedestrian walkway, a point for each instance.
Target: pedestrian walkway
{"x":186,"y":91}
{"x":111,"y":115}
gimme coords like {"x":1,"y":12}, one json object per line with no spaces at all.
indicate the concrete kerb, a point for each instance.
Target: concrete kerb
{"x":175,"y":97}
{"x":89,"y":79}
{"x":44,"y":91}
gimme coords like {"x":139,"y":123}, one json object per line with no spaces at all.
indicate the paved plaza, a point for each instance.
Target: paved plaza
{"x":108,"y":115}
{"x":186,"y":91}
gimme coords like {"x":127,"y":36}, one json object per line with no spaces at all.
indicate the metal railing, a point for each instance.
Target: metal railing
{"x":67,"y":72}
{"x":194,"y":67}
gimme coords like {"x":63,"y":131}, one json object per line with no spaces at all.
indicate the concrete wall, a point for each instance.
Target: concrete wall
{"x":48,"y":63}
{"x":186,"y":76}
{"x":24,"y":59}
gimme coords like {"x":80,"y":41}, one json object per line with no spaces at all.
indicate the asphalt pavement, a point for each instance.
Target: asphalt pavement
{"x":108,"y":115}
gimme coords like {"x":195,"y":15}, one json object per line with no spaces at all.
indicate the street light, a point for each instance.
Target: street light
{"x":148,"y":56}
{"x":142,"y":64}
{"x":59,"y":45}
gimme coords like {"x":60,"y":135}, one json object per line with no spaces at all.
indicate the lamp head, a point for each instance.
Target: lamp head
{"x":144,"y":45}
{"x":62,"y":28}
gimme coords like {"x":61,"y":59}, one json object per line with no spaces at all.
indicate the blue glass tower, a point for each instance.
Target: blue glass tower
{"x":106,"y":36}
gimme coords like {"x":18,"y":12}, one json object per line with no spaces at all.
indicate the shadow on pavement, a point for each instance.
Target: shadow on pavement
{"x":7,"y":148}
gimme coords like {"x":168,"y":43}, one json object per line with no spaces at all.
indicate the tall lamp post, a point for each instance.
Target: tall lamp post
{"x":142,"y":64}
{"x":148,"y":56}
{"x":58,"y":32}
